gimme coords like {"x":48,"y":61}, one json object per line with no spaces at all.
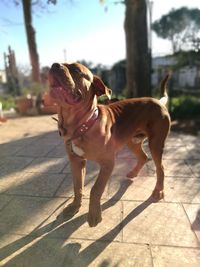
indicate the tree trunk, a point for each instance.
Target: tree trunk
{"x":138,"y":56}
{"x":30,"y":33}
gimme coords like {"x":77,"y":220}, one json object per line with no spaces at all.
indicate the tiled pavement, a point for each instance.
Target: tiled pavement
{"x":35,"y":186}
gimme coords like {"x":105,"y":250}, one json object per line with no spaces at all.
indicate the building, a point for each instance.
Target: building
{"x":185,"y":75}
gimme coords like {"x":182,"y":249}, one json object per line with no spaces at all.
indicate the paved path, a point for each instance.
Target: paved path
{"x":35,"y":186}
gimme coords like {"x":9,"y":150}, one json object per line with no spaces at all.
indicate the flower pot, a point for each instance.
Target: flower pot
{"x":47,"y":105}
{"x":23,"y":104}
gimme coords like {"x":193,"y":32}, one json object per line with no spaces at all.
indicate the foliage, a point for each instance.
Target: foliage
{"x":104,"y":99}
{"x":185,"y":107}
{"x":7,"y":101}
{"x":34,"y":89}
{"x":181,"y":27}
{"x":186,"y":58}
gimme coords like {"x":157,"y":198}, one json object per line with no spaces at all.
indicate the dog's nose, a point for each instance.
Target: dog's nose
{"x":55,"y":66}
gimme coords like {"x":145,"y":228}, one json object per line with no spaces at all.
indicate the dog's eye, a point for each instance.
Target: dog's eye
{"x":74,"y":68}
{"x":78,"y":71}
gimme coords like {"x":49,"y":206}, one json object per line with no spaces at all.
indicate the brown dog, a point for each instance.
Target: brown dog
{"x":97,"y":132}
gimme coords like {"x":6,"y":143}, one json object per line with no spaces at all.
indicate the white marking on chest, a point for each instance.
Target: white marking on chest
{"x":77,"y":150}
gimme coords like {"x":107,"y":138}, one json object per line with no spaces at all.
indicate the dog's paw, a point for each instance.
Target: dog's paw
{"x":157,"y":194}
{"x":94,"y":216}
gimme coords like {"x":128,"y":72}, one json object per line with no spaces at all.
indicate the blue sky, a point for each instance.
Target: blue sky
{"x":81,"y":27}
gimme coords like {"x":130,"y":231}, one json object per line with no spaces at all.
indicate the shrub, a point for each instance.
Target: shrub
{"x":8,"y":102}
{"x":185,"y":107}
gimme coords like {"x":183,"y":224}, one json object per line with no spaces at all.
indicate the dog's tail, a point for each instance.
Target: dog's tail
{"x":163,"y":90}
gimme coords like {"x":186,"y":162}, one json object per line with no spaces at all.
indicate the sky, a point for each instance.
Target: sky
{"x":77,"y":29}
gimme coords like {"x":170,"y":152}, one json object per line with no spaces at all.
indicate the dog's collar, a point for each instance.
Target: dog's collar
{"x":82,"y":129}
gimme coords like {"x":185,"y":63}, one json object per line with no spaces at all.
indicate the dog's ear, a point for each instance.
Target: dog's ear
{"x":100,"y":88}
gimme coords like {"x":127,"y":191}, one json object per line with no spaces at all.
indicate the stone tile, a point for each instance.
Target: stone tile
{"x":5,"y":241}
{"x":26,"y":125}
{"x":4,"y":200}
{"x":44,"y":251}
{"x":67,"y":168}
{"x":193,"y":213}
{"x":9,"y":165}
{"x":10,"y":180}
{"x":123,"y":166}
{"x":92,"y":168}
{"x":108,"y":229}
{"x":194,"y":150}
{"x":195,"y":167}
{"x":158,"y":224}
{"x":36,"y":149}
{"x":174,"y":140}
{"x":86,"y":253}
{"x":172,"y":167}
{"x":186,"y":190}
{"x":48,"y":165}
{"x":66,"y":188}
{"x":175,"y":256}
{"x":39,"y":145}
{"x":180,"y":152}
{"x":188,"y":139}
{"x":9,"y":135}
{"x":177,"y":168}
{"x":140,"y":188}
{"x":18,"y":140}
{"x":23,"y":214}
{"x":36,"y":184}
{"x":125,"y":153}
{"x":31,"y":251}
{"x":58,"y":151}
{"x":9,"y":149}
{"x":51,"y":137}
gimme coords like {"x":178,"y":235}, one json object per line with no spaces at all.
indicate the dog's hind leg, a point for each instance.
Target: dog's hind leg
{"x":156,"y":147}
{"x":157,"y":139}
{"x":137,"y":149}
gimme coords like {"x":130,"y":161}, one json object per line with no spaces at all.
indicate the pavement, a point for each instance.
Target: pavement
{"x":36,"y":186}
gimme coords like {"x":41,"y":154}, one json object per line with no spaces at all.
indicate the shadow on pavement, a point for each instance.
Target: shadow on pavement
{"x":26,"y":245}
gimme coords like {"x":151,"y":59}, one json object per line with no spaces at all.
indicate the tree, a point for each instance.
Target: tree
{"x":181,"y":27}
{"x":27,"y":6}
{"x":32,"y":46}
{"x":137,"y":54}
{"x":30,"y":34}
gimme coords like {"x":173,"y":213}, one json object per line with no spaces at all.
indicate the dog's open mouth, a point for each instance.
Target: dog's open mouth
{"x":60,"y":91}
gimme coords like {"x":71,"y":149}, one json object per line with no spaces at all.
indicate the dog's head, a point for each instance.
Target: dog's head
{"x":73,"y":83}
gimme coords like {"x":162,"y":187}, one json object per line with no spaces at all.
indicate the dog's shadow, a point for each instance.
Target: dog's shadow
{"x":43,"y":239}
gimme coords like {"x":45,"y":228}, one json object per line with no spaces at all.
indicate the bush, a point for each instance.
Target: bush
{"x":185,"y":107}
{"x":8,"y":102}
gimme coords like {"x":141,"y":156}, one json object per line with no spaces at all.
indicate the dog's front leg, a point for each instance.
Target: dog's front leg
{"x":78,"y":168}
{"x":94,"y":215}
